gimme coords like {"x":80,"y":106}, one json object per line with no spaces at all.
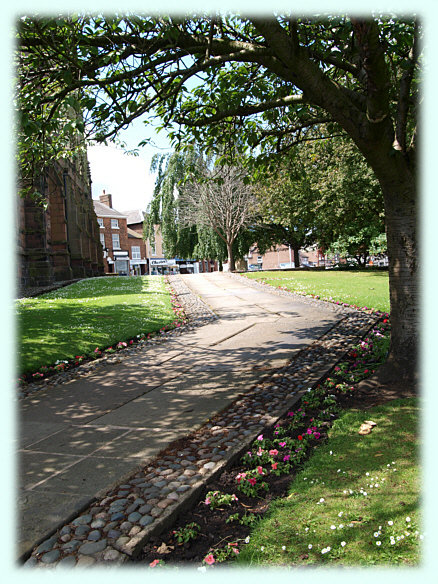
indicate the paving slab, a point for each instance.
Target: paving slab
{"x":185,"y":403}
{"x":47,"y":510}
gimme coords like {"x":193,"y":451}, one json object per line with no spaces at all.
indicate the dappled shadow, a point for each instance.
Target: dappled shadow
{"x":63,"y":332}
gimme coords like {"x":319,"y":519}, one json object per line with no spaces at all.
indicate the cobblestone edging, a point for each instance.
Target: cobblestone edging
{"x":198,"y":314}
{"x":120,"y":522}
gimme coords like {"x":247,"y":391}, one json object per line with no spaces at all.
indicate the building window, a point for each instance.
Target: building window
{"x":102,"y":239}
{"x":114,"y":223}
{"x":100,"y":221}
{"x":153,"y":248}
{"x":116,"y":241}
{"x":135,"y":251}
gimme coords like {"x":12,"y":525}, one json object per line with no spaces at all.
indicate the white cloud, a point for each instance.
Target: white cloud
{"x":126,"y":177}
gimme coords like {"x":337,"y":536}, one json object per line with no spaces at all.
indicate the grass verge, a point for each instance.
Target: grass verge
{"x":356,"y":501}
{"x":361,"y":288}
{"x":96,"y":312}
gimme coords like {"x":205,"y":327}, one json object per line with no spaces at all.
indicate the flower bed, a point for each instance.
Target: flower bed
{"x":231,"y":506}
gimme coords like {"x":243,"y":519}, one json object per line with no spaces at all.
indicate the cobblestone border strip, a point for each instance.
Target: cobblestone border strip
{"x":121,"y":521}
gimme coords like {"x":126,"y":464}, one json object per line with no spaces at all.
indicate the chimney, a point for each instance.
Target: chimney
{"x":106,"y":200}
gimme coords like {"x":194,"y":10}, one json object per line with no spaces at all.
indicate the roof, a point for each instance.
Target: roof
{"x":134,"y":216}
{"x":132,"y":233}
{"x":102,"y":210}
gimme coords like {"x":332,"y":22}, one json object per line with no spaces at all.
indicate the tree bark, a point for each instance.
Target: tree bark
{"x":231,"y":265}
{"x":400,"y":196}
{"x":296,"y":255}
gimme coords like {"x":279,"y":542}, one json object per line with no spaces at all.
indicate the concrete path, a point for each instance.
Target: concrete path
{"x":77,"y":439}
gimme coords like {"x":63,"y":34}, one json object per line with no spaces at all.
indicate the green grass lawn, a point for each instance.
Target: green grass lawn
{"x":357,"y":287}
{"x":95,"y":312}
{"x":356,"y":501}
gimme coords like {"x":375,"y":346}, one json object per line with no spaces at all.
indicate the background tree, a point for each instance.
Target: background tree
{"x":219,"y":200}
{"x":186,"y":232}
{"x":287,"y":206}
{"x":347,"y":199}
{"x":267,"y":80}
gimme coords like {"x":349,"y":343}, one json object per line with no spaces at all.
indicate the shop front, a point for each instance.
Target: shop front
{"x":121,"y":263}
{"x":162,"y":267}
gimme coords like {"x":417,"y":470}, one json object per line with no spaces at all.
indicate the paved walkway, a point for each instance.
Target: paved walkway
{"x":79,"y":438}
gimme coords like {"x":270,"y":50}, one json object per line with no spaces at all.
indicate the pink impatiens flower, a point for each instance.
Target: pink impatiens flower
{"x":209,"y":559}
{"x":252,"y":481}
{"x":260,"y":470}
{"x":273,"y":452}
{"x":282,"y":444}
{"x":154,"y":563}
{"x":260,"y":437}
{"x":286,"y":458}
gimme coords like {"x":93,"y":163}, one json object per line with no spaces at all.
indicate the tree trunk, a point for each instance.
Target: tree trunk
{"x":231,"y":265}
{"x":295,"y":249}
{"x":400,"y":195}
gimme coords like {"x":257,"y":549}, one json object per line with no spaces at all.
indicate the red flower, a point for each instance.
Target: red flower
{"x":300,"y":437}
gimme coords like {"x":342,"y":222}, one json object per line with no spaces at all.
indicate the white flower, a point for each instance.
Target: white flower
{"x":307,"y":529}
{"x":247,"y":539}
{"x":392,"y":541}
{"x":343,"y":543}
{"x":408,"y":519}
{"x":321,"y":500}
{"x":339,"y":470}
{"x":378,"y":543}
{"x":262,"y":549}
{"x":341,"y":526}
{"x":340,"y":513}
{"x":283,"y":548}
{"x":332,"y":526}
{"x":310,"y":546}
{"x":368,"y":474}
{"x":390,"y":522}
{"x":376,"y":534}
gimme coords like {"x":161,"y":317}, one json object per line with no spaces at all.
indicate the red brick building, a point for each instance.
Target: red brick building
{"x":59,"y":242}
